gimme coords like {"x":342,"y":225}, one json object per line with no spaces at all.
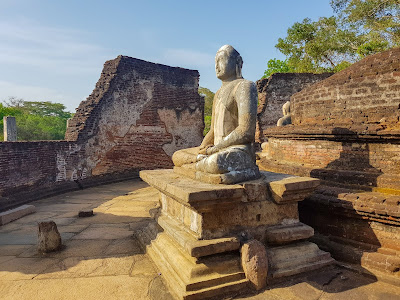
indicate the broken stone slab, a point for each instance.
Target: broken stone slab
{"x":85,"y":213}
{"x":255,"y":263}
{"x":49,"y":239}
{"x":16,"y":213}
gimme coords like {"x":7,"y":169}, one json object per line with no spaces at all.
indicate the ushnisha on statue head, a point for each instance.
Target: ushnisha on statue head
{"x":228,"y":63}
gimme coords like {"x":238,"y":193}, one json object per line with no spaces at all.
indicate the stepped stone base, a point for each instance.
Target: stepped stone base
{"x":196,"y":243}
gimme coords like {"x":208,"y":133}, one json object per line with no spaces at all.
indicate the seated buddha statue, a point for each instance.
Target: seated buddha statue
{"x":226,"y":154}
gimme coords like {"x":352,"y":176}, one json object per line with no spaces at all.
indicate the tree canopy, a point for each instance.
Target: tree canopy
{"x":36,"y":120}
{"x":277,"y":66}
{"x":208,"y":102}
{"x":330,"y":44}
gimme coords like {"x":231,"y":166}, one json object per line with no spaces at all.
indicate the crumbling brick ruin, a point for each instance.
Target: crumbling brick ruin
{"x":346,"y":131}
{"x":274,"y":91}
{"x":138,"y":114}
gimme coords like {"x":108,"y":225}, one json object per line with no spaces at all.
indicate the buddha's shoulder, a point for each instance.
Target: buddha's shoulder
{"x":244,"y":83}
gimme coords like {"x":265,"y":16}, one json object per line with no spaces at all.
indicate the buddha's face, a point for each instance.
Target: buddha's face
{"x":225,"y":65}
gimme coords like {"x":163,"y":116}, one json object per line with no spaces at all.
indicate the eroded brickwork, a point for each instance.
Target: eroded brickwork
{"x":137,"y":116}
{"x":30,"y":170}
{"x":274,"y":91}
{"x":346,"y":132}
{"x":366,"y":93}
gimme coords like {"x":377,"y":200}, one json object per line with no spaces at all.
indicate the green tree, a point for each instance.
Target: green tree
{"x":319,"y":46}
{"x":208,"y":102}
{"x":380,"y":19}
{"x":277,"y":66}
{"x":359,"y":28}
{"x":37,"y":120}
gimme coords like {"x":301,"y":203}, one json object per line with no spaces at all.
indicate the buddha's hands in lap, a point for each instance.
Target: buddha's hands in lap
{"x":208,"y":150}
{"x":203,"y":149}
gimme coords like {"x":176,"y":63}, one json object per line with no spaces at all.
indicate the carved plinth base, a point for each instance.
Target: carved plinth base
{"x":196,"y":244}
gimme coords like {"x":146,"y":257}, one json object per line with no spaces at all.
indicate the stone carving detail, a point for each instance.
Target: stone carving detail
{"x":287,"y":116}
{"x":255,"y":263}
{"x":226,"y":154}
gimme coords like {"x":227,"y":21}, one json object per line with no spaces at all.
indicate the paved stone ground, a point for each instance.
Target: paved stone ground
{"x":102,"y":260}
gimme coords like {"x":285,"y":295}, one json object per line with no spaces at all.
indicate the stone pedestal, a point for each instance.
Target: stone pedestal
{"x":202,"y":227}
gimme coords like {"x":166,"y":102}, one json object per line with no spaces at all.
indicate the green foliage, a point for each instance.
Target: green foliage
{"x":277,"y":66}
{"x":318,"y":46}
{"x":381,"y":17}
{"x":36,"y":120}
{"x":207,"y":124}
{"x":377,"y":21}
{"x":208,"y":102}
{"x":359,"y":28}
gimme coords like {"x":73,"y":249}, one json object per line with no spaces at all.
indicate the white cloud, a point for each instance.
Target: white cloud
{"x":57,"y":49}
{"x":28,"y":92}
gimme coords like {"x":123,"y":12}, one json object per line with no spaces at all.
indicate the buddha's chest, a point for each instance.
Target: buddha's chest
{"x":225,"y":100}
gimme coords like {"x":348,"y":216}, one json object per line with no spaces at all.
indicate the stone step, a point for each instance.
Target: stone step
{"x":193,"y":246}
{"x":190,"y":268}
{"x":301,"y":268}
{"x":296,"y":258}
{"x":187,"y":278}
{"x":223,"y":290}
{"x":216,"y":281}
{"x":282,"y":234}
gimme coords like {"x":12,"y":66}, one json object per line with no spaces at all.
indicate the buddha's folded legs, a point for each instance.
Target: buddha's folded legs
{"x":185,"y":156}
{"x":235,"y":158}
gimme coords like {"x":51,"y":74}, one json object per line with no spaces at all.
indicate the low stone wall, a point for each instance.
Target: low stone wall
{"x":30,"y":170}
{"x":137,"y":116}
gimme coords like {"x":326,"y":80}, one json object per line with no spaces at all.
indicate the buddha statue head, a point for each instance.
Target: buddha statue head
{"x":228,"y":63}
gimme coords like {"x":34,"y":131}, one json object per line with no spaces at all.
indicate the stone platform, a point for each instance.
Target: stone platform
{"x":202,"y":227}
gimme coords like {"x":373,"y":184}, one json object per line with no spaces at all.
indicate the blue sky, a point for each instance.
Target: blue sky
{"x":55,"y":50}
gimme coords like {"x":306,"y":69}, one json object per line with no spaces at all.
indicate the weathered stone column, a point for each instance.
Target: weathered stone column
{"x":10,"y":129}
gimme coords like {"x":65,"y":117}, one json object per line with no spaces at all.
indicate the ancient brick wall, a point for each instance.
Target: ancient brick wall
{"x":138,"y":115}
{"x":358,"y":164}
{"x":366,"y":93}
{"x":274,"y":91}
{"x":346,"y":132}
{"x":30,"y":170}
